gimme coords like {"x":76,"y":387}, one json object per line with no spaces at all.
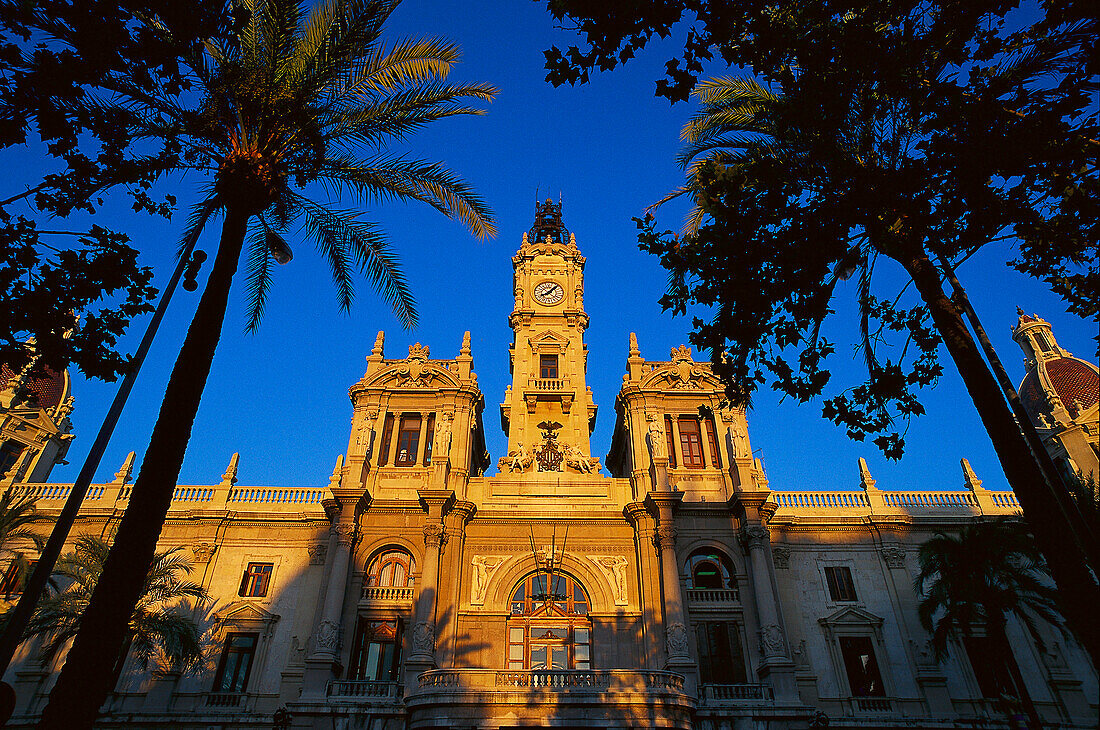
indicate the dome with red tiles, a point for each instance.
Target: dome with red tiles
{"x":45,"y":391}
{"x":1075,"y":381}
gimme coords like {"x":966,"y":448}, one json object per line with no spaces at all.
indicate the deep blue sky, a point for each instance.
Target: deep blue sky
{"x":280,"y":397}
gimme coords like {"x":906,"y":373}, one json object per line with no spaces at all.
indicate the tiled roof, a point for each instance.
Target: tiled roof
{"x":1073,"y":380}
{"x":46,"y":391}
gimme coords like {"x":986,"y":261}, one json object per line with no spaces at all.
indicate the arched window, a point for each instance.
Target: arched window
{"x":549,"y":628}
{"x":710,"y":570}
{"x":391,"y":568}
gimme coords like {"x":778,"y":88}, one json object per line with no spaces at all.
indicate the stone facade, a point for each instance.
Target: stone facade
{"x":681,"y":591}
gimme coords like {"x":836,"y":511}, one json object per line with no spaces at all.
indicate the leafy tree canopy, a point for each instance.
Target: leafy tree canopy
{"x":916,"y":132}
{"x":52,"y":55}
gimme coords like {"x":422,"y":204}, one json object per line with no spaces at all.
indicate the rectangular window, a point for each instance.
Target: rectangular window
{"x":515,"y":646}
{"x":582,"y":648}
{"x":861,"y":666}
{"x":15,"y":577}
{"x":712,"y":440}
{"x":990,"y":667}
{"x":430,"y":432}
{"x":9,"y":454}
{"x":721,"y":660}
{"x":408,"y":440}
{"x":841,"y":586}
{"x":691,"y":444}
{"x":548,"y":367}
{"x":256,"y":580}
{"x":375,"y":653}
{"x":671,"y":439}
{"x":236,"y":663}
{"x":387,"y":434}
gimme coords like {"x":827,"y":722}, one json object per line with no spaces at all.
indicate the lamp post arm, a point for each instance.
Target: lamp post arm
{"x":21,"y":615}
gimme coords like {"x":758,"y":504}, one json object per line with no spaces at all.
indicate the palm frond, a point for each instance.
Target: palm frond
{"x":259,"y":272}
{"x":407,"y":62}
{"x":331,"y":229}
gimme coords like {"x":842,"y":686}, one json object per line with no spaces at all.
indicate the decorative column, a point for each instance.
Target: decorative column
{"x":776,"y":666}
{"x":676,"y":634}
{"x":650,"y":580}
{"x":422,"y":657}
{"x":323,"y":664}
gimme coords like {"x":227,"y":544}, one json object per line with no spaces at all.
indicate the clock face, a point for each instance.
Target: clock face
{"x":549,"y":292}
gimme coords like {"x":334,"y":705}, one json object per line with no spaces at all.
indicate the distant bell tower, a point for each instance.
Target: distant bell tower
{"x":548,"y":411}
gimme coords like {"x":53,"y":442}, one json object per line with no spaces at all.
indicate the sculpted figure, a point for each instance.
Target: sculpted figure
{"x":517,"y":460}
{"x":657,"y":437}
{"x":442,"y":445}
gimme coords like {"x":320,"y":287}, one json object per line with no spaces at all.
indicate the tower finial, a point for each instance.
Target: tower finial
{"x":970,"y":479}
{"x":865,"y":479}
{"x":465,"y":349}
{"x":379,"y":341}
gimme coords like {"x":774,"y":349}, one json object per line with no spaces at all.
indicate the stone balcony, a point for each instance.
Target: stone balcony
{"x":489,"y":697}
{"x":361,"y":691}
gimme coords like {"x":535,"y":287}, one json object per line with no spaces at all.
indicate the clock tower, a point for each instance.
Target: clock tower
{"x":548,"y":411}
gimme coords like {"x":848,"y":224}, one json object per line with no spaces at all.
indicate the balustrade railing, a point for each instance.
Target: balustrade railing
{"x":207,"y":496}
{"x":224,"y":699}
{"x":713,"y":595}
{"x":822,"y":500}
{"x":386,"y":593}
{"x":930,"y":499}
{"x":735,"y":692}
{"x":552,"y":385}
{"x":360,"y":689}
{"x":277,"y":495}
{"x":611,"y":680}
{"x":873,"y":704}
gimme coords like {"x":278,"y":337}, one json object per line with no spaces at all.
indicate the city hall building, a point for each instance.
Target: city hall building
{"x":412,"y":590}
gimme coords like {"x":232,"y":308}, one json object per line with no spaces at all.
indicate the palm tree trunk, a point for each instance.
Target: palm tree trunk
{"x":85,"y":679}
{"x":1079,"y":592}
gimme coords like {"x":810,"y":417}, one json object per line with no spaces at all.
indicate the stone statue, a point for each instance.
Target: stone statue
{"x":518,"y":460}
{"x":442,"y":446}
{"x":657,"y":437}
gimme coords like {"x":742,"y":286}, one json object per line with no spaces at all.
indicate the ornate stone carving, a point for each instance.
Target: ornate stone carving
{"x":317,"y":554}
{"x":517,"y":461}
{"x":656,"y":429}
{"x":677,"y":637}
{"x":894,"y":557}
{"x":614,"y":569}
{"x":328,"y":636}
{"x":665,"y":537}
{"x":782,"y":557}
{"x":203,"y":552}
{"x":415,"y":372}
{"x":550,"y":456}
{"x":772,"y":643}
{"x":577,"y":461}
{"x":434,"y":535}
{"x":484,"y":568}
{"x":683,"y":374}
{"x":754,"y":536}
{"x":345,"y":533}
{"x":423,"y":638}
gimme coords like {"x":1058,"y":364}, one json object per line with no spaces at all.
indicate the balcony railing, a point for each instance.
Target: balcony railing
{"x":363,"y":689}
{"x":548,"y":385}
{"x":723,"y":693}
{"x":387,"y":593}
{"x":224,"y":699}
{"x":873,"y":704}
{"x":713,"y":595}
{"x":608,"y":680}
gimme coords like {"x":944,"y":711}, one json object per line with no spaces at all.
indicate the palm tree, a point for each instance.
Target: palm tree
{"x":733,"y":120}
{"x":159,"y":627}
{"x":741,"y":122}
{"x":292,"y":101}
{"x":980,"y":577}
{"x":17,"y":521}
